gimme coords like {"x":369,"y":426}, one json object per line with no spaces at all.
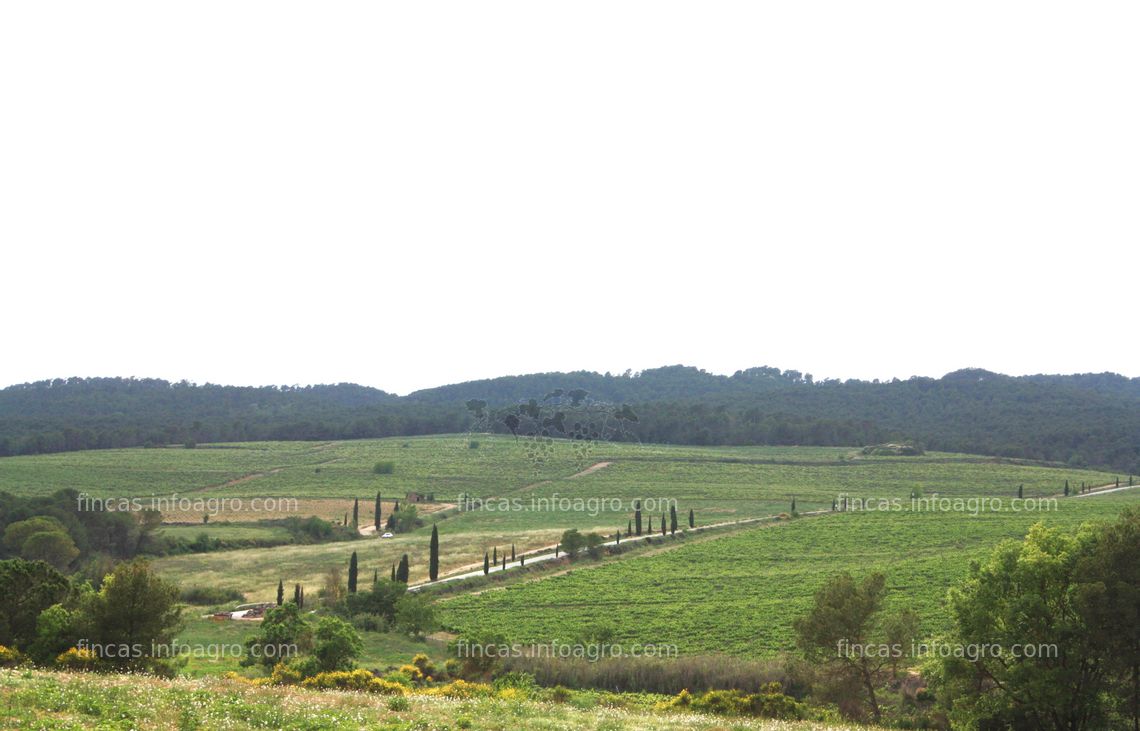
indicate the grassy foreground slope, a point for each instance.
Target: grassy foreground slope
{"x":41,"y":700}
{"x":741,"y":593}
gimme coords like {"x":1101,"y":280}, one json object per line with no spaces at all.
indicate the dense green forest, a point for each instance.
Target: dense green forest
{"x":1087,"y":419}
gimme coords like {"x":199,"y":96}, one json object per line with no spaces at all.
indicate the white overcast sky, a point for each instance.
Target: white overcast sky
{"x":411,"y":194}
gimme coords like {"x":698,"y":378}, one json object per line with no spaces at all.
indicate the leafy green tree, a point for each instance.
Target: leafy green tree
{"x":283,"y":634}
{"x":433,"y":558}
{"x":57,"y":629}
{"x":1025,"y":595}
{"x":134,"y":608}
{"x":54,"y":547}
{"x":415,"y":614}
{"x":572,"y":542}
{"x":26,"y":589}
{"x":380,"y":600}
{"x":336,"y":644}
{"x":842,"y":635}
{"x":1109,"y":600}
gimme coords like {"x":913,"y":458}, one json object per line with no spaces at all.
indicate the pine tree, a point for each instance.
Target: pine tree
{"x":402,"y":570}
{"x":637,"y":517}
{"x":355,"y":512}
{"x":280,"y":592}
{"x":433,"y":559}
{"x":377,"y":514}
{"x":692,"y":520}
{"x":672,"y":519}
{"x":352,"y":574}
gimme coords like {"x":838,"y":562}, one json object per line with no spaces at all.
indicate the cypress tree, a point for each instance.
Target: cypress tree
{"x":522,"y":561}
{"x":672,"y":519}
{"x":393,"y":572}
{"x":402,"y":569}
{"x":301,"y":604}
{"x":297,"y":594}
{"x":375,"y":577}
{"x":495,"y":555}
{"x":1118,"y":482}
{"x":391,"y":525}
{"x":352,"y":574}
{"x":280,"y":592}
{"x":486,"y":563}
{"x":663,"y":526}
{"x":629,"y":527}
{"x":692,"y":521}
{"x":556,"y":547}
{"x":1066,"y":492}
{"x":355,"y":512}
{"x":377,"y":513}
{"x":650,"y":531}
{"x":512,"y":552}
{"x":1020,"y":491}
{"x":834,"y":504}
{"x":433,"y":559}
{"x":396,"y":507}
{"x":617,"y":539}
{"x":345,"y":519}
{"x":793,"y":503}
{"x":1066,"y":484}
{"x":637,"y":516}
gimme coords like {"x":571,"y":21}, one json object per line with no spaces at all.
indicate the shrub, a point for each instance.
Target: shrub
{"x":561,"y":694}
{"x":463,"y":690}
{"x":385,"y":467}
{"x":77,"y":659}
{"x":521,"y":681}
{"x":358,"y":680}
{"x":426,"y":667}
{"x":473,"y":444}
{"x":9,"y":657}
{"x":398,"y":703}
{"x":205,"y":596}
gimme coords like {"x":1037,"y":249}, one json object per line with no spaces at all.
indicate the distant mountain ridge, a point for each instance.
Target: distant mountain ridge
{"x":1080,"y":418}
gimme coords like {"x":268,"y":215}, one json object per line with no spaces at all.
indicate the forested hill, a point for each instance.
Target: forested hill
{"x":1081,"y":419}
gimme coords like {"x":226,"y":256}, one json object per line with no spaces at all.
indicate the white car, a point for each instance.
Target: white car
{"x":386,"y":535}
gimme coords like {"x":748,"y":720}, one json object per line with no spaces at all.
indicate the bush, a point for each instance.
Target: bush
{"x":399,"y":703}
{"x":77,"y":659}
{"x":769,"y":703}
{"x":9,"y":657}
{"x":385,"y":467}
{"x":206,"y":596}
{"x":358,"y":680}
{"x":473,"y":444}
{"x":463,"y":690}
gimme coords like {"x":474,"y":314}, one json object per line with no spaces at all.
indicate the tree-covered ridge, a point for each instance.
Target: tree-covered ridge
{"x":1091,"y":419}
